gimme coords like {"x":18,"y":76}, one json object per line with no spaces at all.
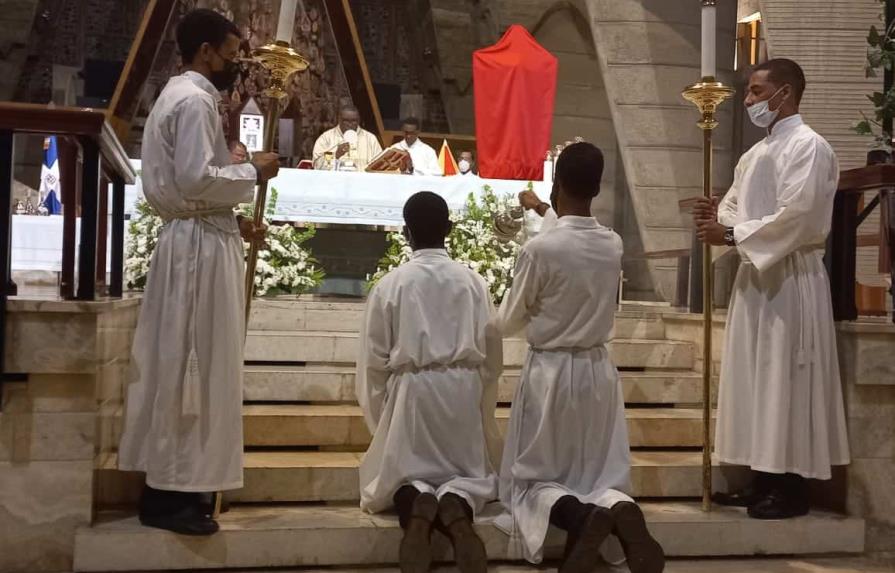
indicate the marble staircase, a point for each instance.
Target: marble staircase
{"x":305,"y":436}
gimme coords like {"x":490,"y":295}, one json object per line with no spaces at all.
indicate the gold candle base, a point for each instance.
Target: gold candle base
{"x":707,"y":95}
{"x":281,"y":61}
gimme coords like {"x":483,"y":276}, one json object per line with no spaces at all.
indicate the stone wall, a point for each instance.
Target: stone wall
{"x":16,"y":19}
{"x":828,"y":39}
{"x":60,"y":425}
{"x":868,"y":377}
{"x":649,"y":51}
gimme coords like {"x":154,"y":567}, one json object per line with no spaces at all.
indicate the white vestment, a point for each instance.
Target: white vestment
{"x":567,"y":433}
{"x":427,"y":373}
{"x":425,"y":160}
{"x":183,"y":421}
{"x":361,"y":153}
{"x":780,"y":401}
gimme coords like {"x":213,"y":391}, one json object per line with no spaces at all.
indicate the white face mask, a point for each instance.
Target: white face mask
{"x":761,"y":114}
{"x":464,"y":166}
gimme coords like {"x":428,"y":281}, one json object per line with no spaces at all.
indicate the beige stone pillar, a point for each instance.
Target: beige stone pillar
{"x":60,"y":425}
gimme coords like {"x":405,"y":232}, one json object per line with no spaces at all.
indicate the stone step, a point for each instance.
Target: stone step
{"x":291,"y":425}
{"x":264,"y":536}
{"x":340,"y":316}
{"x":329,"y":347}
{"x":309,"y":476}
{"x":334,"y":383}
{"x":296,"y":476}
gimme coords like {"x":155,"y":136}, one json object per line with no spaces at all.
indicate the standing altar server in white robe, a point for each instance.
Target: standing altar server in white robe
{"x":780,"y":407}
{"x":566,"y":460}
{"x":427,"y":375}
{"x":183,"y":424}
{"x":422,"y":156}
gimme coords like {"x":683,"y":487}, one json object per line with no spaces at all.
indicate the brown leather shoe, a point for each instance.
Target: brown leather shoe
{"x":415,"y":552}
{"x":469,"y":551}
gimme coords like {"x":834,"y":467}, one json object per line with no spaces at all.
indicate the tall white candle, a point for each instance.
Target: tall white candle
{"x":286,"y":24}
{"x":708,"y":38}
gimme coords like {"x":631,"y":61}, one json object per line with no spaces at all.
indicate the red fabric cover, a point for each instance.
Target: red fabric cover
{"x":515,"y":87}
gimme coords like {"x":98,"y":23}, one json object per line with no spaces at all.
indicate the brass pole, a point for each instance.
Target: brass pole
{"x":707,"y":296}
{"x":281,"y":62}
{"x":707,"y":95}
{"x":271,"y":119}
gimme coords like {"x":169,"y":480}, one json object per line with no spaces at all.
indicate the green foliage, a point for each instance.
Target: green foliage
{"x":880,"y":56}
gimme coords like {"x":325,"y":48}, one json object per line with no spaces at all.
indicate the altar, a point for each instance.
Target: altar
{"x":353,"y":213}
{"x":374,"y":199}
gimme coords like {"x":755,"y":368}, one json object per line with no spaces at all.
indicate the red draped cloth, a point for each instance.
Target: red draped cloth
{"x":515,"y":87}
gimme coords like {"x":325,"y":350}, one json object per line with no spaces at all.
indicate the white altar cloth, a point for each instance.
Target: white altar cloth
{"x":373,"y":198}
{"x":349,"y":198}
{"x":37,"y":243}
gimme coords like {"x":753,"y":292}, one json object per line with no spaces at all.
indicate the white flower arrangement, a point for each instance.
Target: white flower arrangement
{"x":471,"y":242}
{"x":285,"y":266}
{"x":143,"y":233}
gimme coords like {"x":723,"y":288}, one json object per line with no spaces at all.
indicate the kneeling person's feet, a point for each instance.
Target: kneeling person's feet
{"x":777,"y":505}
{"x":415,"y":553}
{"x":583,"y":547}
{"x":190,"y":520}
{"x":643,"y":552}
{"x":469,"y":551}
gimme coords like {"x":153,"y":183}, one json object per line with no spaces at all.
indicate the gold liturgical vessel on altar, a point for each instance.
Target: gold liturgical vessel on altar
{"x":707,"y":95}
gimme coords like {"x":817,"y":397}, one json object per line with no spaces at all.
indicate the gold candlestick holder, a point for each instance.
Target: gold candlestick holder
{"x":707,"y":95}
{"x":281,"y":61}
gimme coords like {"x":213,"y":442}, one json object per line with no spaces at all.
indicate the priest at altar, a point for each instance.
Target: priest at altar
{"x":347,"y":143}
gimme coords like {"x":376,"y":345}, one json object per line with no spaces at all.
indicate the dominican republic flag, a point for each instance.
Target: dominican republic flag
{"x":49,"y":178}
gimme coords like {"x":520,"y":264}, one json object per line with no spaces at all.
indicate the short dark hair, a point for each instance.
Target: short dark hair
{"x":410,"y":121}
{"x":782,"y":71}
{"x":579,"y":170}
{"x":201,"y":26}
{"x":427,"y":217}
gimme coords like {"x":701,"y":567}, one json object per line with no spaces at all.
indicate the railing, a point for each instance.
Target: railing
{"x":86,"y":134}
{"x":844,"y":240}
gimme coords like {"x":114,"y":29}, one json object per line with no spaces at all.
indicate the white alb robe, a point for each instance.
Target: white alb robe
{"x":427,"y":372}
{"x":567,"y":433}
{"x":780,"y":404}
{"x":425,"y":160}
{"x":361,"y":153}
{"x":183,"y":420}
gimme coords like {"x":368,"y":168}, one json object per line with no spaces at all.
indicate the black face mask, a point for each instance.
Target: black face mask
{"x":224,"y":79}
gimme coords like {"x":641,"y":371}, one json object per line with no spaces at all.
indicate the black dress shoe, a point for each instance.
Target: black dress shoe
{"x":583,"y":546}
{"x":469,"y":551}
{"x":745,"y":497}
{"x":643,"y":552}
{"x":777,"y":505}
{"x":415,"y":552}
{"x":188,"y":521}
